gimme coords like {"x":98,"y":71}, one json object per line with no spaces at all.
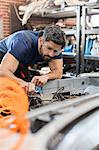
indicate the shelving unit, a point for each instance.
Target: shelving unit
{"x":88,"y":11}
{"x":67,"y":12}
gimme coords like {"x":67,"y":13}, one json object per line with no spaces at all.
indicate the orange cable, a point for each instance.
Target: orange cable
{"x":13,"y":107}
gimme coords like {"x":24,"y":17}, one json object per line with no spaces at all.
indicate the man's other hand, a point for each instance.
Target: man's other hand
{"x":28,"y":87}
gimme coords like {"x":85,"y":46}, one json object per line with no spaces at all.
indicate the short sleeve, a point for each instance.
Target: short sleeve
{"x":18,"y":47}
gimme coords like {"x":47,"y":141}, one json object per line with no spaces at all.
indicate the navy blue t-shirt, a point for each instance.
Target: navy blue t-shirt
{"x":23,"y":45}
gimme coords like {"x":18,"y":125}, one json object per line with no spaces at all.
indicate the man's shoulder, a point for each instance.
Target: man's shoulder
{"x":21,"y":33}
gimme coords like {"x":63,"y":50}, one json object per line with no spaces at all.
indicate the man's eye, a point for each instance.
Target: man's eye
{"x":49,"y":48}
{"x":55,"y":51}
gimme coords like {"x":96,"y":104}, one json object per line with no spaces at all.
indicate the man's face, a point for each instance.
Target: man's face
{"x":49,"y":49}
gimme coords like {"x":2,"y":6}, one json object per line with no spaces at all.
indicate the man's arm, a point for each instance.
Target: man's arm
{"x":56,"y":66}
{"x":7,"y":68}
{"x":56,"y":73}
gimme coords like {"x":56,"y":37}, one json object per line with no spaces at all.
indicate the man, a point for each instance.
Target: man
{"x":27,"y":48}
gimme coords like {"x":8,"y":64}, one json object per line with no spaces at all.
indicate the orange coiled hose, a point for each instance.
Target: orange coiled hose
{"x":13,"y":106}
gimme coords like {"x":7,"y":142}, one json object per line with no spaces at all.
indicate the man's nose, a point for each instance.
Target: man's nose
{"x":51,"y":53}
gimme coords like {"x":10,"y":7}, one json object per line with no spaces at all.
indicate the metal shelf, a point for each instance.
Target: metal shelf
{"x":69,"y":55}
{"x":92,"y":31}
{"x":90,"y":57}
{"x":58,"y":13}
{"x":86,"y":11}
{"x":69,"y":31}
{"x":93,"y":10}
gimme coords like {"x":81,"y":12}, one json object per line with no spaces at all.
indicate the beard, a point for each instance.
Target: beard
{"x":45,"y":57}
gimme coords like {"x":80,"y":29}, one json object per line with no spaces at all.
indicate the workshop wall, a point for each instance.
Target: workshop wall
{"x":5,"y":14}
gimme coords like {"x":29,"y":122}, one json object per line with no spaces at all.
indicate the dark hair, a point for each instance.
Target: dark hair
{"x":41,"y":33}
{"x":55,"y":34}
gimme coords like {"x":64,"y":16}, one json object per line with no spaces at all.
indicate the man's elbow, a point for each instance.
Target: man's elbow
{"x":59,"y":75}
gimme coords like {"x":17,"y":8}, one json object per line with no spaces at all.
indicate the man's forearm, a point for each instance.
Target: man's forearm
{"x":10,"y":74}
{"x":28,"y":86}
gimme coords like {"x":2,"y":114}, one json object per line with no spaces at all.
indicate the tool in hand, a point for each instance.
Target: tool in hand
{"x":39,"y":90}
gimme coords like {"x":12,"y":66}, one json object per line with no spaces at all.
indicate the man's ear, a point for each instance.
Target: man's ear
{"x":41,"y":40}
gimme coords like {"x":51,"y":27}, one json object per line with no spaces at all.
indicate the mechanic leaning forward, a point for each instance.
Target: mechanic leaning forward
{"x":25,"y":48}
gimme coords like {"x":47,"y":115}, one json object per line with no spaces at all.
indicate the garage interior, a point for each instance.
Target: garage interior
{"x":62,"y":114}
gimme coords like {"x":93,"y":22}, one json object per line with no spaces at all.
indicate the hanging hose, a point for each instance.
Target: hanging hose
{"x":13,"y":108}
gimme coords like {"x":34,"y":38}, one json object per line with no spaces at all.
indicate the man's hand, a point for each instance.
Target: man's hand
{"x":40,"y":80}
{"x":28,"y":86}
